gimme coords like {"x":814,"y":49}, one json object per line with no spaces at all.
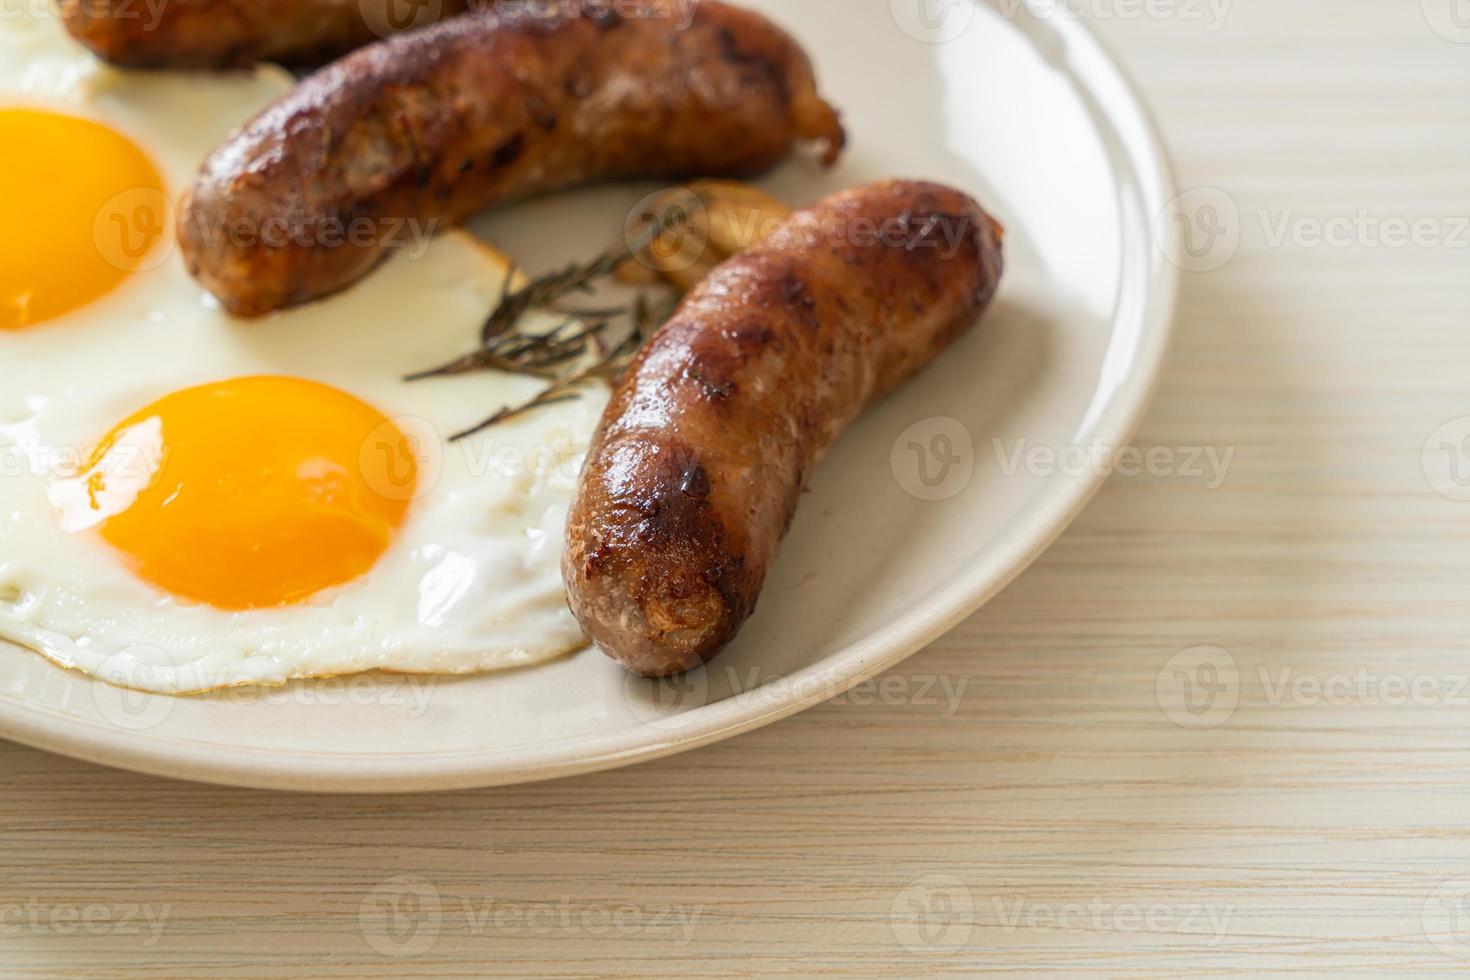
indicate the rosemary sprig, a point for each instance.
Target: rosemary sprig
{"x":544,"y":355}
{"x":607,"y":368}
{"x":519,"y":353}
{"x":544,"y":293}
{"x":503,"y":349}
{"x":646,"y":319}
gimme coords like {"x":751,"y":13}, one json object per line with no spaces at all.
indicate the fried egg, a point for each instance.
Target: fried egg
{"x":189,"y":501}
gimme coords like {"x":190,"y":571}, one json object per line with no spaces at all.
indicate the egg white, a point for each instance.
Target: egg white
{"x":470,"y":583}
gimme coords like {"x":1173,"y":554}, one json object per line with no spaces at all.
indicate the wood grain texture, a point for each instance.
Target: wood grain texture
{"x":1043,"y":813}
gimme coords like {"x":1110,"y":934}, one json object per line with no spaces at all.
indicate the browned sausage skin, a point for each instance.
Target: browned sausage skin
{"x":239,"y":33}
{"x":694,"y":475}
{"x":429,"y":127}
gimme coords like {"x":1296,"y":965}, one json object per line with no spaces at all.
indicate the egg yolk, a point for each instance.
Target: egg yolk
{"x":248,"y":493}
{"x":83,"y":208}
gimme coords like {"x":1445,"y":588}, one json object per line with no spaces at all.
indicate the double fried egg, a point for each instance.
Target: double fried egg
{"x":189,"y":501}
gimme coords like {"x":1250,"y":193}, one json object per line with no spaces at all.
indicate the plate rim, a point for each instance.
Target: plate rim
{"x":292,"y":769}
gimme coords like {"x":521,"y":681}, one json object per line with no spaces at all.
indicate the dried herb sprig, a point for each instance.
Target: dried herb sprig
{"x":646,"y":319}
{"x":545,"y":355}
{"x":543,"y":293}
{"x":526,"y":353}
{"x":503,"y":349}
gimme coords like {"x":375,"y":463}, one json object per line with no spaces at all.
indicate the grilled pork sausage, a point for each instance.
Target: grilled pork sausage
{"x":240,"y":33}
{"x":693,"y":477}
{"x":426,"y":128}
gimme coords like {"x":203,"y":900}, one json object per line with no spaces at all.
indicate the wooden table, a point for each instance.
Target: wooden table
{"x":1220,"y":729}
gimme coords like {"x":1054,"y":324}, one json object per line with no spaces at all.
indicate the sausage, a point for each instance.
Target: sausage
{"x":239,"y":33}
{"x":693,"y":477}
{"x":425,"y":129}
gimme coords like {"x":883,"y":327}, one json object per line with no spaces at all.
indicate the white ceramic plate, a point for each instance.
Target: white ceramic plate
{"x":924,"y":509}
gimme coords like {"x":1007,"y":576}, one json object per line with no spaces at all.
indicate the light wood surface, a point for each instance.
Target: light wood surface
{"x":1020,"y":797}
